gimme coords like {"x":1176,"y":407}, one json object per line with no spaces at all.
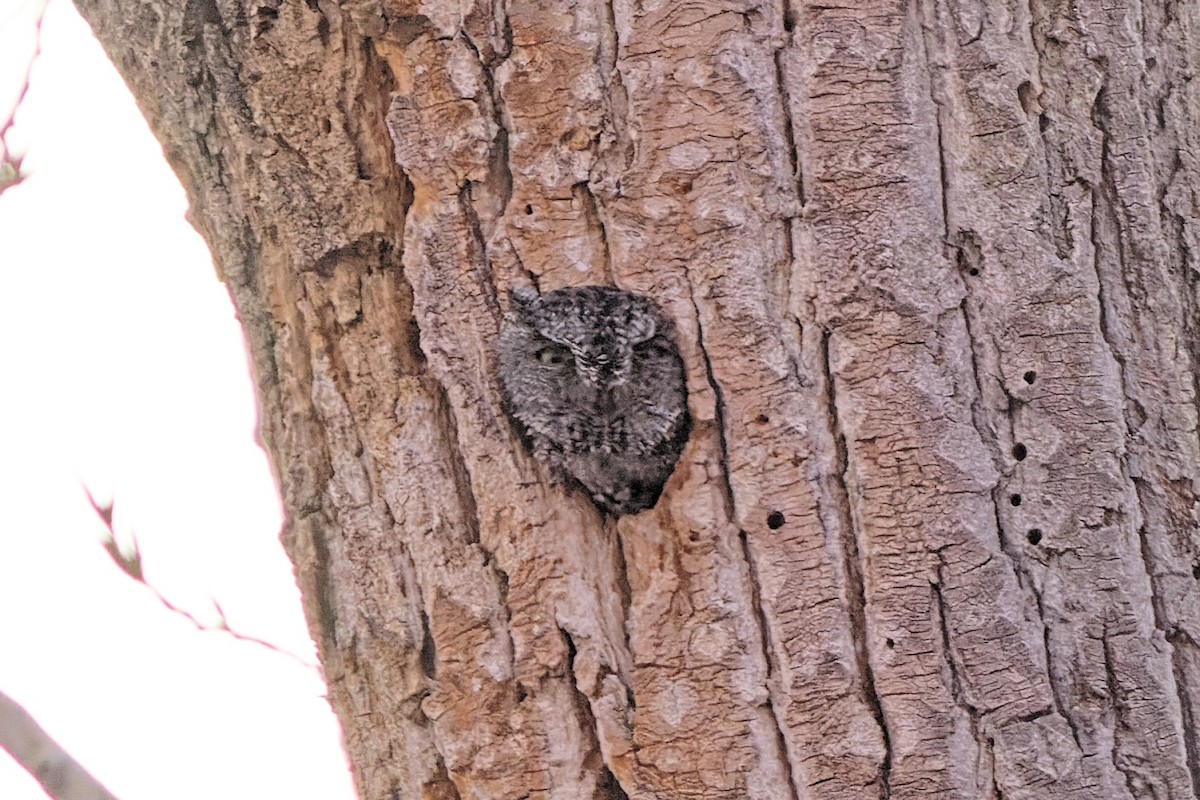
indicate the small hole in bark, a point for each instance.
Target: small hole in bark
{"x":1034,"y":536}
{"x":1196,"y":571}
{"x":775,"y":520}
{"x":521,"y":693}
{"x":891,"y":643}
{"x":1043,"y":123}
{"x":528,"y":209}
{"x":762,"y":419}
{"x":968,"y":251}
{"x":1026,"y":96}
{"x":1151,"y":63}
{"x":428,"y":653}
{"x":1019,"y":452}
{"x":326,"y":126}
{"x":1015,"y":499}
{"x":1030,"y":376}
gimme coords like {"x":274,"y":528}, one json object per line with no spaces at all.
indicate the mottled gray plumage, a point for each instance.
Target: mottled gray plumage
{"x":593,"y":381}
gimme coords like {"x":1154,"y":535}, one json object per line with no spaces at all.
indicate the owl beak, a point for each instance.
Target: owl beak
{"x":592,"y":374}
{"x":603,"y":373}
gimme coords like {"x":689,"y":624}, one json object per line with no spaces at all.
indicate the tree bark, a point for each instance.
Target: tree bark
{"x":933,"y":266}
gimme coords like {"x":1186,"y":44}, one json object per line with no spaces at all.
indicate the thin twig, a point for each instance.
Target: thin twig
{"x":10,"y":165}
{"x":131,"y":564}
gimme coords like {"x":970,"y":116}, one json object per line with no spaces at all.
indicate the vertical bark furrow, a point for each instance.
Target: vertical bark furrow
{"x":712,"y":161}
{"x":1148,"y":291}
{"x":783,"y":51}
{"x":852,"y":576}
{"x":977,"y":751}
{"x":774,"y":698}
{"x":608,"y":786}
{"x":719,"y":412}
{"x":490,"y":198}
{"x":990,"y":91}
{"x":903,"y":375}
{"x":1186,"y":674}
{"x":560,"y":576}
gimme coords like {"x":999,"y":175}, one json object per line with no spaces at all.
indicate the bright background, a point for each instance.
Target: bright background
{"x":122,"y":368}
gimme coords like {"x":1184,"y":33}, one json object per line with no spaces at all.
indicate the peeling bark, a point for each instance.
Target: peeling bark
{"x":933,"y":270}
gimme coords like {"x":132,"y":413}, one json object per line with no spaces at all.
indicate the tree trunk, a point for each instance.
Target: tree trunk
{"x":933,"y":267}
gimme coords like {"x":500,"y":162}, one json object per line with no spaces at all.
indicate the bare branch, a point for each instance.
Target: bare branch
{"x":60,"y":775}
{"x":131,"y":564}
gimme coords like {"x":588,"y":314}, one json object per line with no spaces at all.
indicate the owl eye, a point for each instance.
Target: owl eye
{"x":552,"y":356}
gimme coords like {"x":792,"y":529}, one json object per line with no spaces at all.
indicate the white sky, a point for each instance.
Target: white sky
{"x":122,"y":365}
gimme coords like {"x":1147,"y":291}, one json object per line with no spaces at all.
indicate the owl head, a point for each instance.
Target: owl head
{"x":592,"y":330}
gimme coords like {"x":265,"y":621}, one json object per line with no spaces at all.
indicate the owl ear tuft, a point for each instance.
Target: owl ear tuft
{"x":642,"y":328}
{"x":523,"y":298}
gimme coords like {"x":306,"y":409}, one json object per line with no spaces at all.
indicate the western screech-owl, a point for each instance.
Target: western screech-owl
{"x":594,"y":382}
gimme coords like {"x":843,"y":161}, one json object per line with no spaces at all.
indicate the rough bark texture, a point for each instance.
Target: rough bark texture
{"x":934,"y":270}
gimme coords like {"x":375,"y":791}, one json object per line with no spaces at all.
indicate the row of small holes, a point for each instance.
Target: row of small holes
{"x":1019,"y":452}
{"x":776,"y":519}
{"x":1035,"y":534}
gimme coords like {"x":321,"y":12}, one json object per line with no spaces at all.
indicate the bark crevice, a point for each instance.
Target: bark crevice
{"x":856,"y":596}
{"x":500,"y":179}
{"x":785,"y":95}
{"x":1057,"y":690}
{"x":772,"y":684}
{"x":594,"y":216}
{"x":957,"y":689}
{"x":754,"y":588}
{"x":719,"y":413}
{"x":608,"y":787}
{"x":1113,"y":684}
{"x":618,"y":97}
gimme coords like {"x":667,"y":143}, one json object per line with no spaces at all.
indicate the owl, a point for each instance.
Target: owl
{"x":593,"y":382}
